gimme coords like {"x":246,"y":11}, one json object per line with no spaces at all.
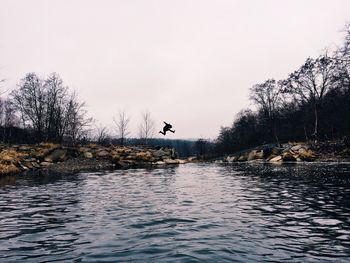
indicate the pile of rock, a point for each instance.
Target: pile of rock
{"x":18,"y":158}
{"x":291,"y":152}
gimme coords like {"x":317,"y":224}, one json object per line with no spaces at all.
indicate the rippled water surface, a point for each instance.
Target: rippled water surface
{"x":192,"y":213}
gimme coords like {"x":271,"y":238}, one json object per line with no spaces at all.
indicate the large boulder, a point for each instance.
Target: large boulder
{"x":57,"y":155}
{"x":162,"y":154}
{"x":276,"y":159}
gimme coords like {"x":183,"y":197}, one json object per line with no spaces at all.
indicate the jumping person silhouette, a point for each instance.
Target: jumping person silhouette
{"x":166,"y":128}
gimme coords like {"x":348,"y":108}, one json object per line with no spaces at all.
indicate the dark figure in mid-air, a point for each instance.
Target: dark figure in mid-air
{"x":166,"y":128}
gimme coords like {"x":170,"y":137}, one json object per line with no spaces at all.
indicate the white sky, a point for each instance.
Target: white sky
{"x":188,"y":62}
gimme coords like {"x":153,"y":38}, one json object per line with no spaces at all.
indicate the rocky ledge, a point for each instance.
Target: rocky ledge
{"x":334,"y":151}
{"x":15,"y":159}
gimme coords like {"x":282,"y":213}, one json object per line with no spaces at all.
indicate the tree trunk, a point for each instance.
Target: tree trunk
{"x":275,"y":131}
{"x":305,"y":132}
{"x":316,"y":121}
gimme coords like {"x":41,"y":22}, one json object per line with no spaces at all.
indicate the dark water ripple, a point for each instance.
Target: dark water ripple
{"x":193,"y":213}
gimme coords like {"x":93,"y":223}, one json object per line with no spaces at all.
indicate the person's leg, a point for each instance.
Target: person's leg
{"x":172,"y":131}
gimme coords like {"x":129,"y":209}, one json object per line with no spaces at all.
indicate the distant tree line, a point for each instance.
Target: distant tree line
{"x":312,"y":103}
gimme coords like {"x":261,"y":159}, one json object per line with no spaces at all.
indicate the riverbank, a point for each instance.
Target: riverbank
{"x":327,"y":151}
{"x":15,"y":159}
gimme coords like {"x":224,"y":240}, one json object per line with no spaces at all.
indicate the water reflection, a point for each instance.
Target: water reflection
{"x":197,"y":212}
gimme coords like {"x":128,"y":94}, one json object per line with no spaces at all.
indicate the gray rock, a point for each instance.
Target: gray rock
{"x":102,"y":154}
{"x":88,"y":155}
{"x":231,"y":159}
{"x":242,"y":158}
{"x":160,"y":153}
{"x":45,"y":164}
{"x":296,"y":148}
{"x":56,"y":155}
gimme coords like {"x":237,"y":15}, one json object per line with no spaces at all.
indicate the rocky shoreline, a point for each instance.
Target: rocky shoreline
{"x":329,"y":151}
{"x":16,"y":159}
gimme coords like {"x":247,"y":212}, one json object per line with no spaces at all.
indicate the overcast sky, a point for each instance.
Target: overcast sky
{"x":188,"y":62}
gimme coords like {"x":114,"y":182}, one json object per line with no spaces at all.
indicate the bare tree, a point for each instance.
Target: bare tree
{"x":9,"y":119}
{"x":30,"y":99}
{"x":311,"y":82}
{"x":268,"y":98}
{"x":56,"y":99}
{"x":49,"y":109}
{"x":76,"y":122}
{"x":146,"y":127}
{"x":102,"y":134}
{"x":342,"y":59}
{"x":122,"y":123}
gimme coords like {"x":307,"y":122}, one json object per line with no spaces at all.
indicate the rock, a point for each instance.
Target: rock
{"x":45,"y":164}
{"x":159,"y":163}
{"x":23,"y":167}
{"x":191,"y":159}
{"x":83,"y":149}
{"x":297,"y":147}
{"x":242,"y":158}
{"x":276,"y":159}
{"x":144,"y":156}
{"x":56,"y":156}
{"x":307,"y":155}
{"x":116,"y":157}
{"x":231,"y":159}
{"x":125,"y":164}
{"x":270,"y":157}
{"x":160,"y":154}
{"x":102,"y":154}
{"x":259,"y":155}
{"x":171,"y":161}
{"x":288,"y":157}
{"x":26,"y":164}
{"x":182,"y":161}
{"x":88,"y":155}
{"x":35,"y":164}
{"x":251,"y":155}
{"x":24,"y":148}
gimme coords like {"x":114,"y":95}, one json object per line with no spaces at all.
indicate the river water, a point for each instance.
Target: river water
{"x":190,"y":213}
